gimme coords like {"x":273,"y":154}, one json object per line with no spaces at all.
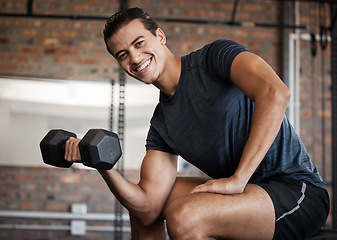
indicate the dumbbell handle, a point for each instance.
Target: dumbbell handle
{"x":53,"y":147}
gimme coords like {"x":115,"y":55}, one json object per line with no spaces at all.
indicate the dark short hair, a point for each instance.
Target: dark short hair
{"x":122,"y":18}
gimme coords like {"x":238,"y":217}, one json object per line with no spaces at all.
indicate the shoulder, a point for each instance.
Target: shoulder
{"x":217,"y":57}
{"x":224,"y":48}
{"x":218,"y":50}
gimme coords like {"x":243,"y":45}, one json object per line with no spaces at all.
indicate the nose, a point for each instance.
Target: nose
{"x":135,"y":56}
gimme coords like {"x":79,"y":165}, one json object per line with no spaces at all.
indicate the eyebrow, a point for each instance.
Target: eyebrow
{"x":133,"y":42}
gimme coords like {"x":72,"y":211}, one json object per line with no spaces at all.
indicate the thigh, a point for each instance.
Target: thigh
{"x":182,"y":188}
{"x":249,"y":215}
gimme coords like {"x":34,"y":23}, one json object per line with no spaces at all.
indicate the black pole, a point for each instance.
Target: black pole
{"x":333,"y":7}
{"x":234,"y":10}
{"x":124,"y":4}
{"x":29,"y":7}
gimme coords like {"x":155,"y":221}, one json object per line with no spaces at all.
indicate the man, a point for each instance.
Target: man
{"x":222,"y":109}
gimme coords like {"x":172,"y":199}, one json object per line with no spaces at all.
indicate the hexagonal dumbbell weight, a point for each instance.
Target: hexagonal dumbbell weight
{"x":53,"y":147}
{"x":99,"y":148}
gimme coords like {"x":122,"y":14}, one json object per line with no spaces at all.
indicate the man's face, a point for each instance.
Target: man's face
{"x":138,"y":51}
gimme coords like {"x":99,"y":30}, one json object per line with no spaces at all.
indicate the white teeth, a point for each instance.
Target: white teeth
{"x":147,"y":63}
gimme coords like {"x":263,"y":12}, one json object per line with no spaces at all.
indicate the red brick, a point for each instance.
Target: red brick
{"x":58,"y":207}
{"x":70,"y":197}
{"x":86,"y":61}
{"x":60,"y":33}
{"x":22,"y":176}
{"x":30,"y":206}
{"x":68,"y":33}
{"x":80,"y":8}
{"x":4,"y":195}
{"x":35,"y":170}
{"x":30,"y":50}
{"x":87,"y":44}
{"x":18,"y":59}
{"x":53,"y":186}
{"x":195,"y":13}
{"x":48,"y":41}
{"x":263,"y":34}
{"x":29,"y":32}
{"x":8,"y":186}
{"x":8,"y":68}
{"x":252,"y":7}
{"x":100,"y":53}
{"x":256,"y":43}
{"x":107,"y":61}
{"x":218,"y":31}
{"x":94,"y":1}
{"x":243,"y":16}
{"x":61,"y":60}
{"x":4,"y":40}
{"x":69,"y":178}
{"x":28,"y":68}
{"x":66,"y":43}
{"x":62,"y":51}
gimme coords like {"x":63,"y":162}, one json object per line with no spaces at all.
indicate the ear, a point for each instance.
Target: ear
{"x":161,"y":36}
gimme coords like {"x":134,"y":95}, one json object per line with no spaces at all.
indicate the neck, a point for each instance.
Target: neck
{"x":169,"y":81}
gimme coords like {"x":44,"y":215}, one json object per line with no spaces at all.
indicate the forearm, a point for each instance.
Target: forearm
{"x":146,"y":200}
{"x":270,"y":96}
{"x":267,"y":119}
{"x":129,"y":194}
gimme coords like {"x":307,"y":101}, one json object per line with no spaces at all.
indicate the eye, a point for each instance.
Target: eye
{"x":139,"y":43}
{"x":122,"y":56}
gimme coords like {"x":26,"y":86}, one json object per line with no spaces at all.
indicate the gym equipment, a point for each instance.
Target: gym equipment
{"x":99,"y":148}
{"x":118,"y":233}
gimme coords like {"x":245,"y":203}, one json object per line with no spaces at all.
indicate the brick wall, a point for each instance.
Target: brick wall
{"x":54,"y":190}
{"x":63,"y":48}
{"x":68,"y":48}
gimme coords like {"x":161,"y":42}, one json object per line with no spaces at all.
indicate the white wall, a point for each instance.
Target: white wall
{"x":30,"y":107}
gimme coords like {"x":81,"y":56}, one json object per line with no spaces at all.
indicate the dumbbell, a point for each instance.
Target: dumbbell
{"x":99,"y":148}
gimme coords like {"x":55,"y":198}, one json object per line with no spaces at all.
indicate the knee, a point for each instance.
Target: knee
{"x":175,"y":221}
{"x":182,"y":222}
{"x":139,"y":231}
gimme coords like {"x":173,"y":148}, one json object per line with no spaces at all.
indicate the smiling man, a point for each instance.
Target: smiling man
{"x":222,"y":108}
{"x":144,"y":55}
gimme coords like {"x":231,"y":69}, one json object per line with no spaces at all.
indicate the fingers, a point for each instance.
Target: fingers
{"x":220,"y":186}
{"x":206,"y":187}
{"x":72,"y":152}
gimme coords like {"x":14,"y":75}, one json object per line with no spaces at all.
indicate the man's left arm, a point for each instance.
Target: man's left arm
{"x":270,"y":96}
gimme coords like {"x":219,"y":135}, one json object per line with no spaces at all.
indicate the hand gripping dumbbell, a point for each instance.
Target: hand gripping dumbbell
{"x":99,"y":148}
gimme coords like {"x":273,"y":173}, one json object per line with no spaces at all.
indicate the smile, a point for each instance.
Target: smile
{"x":144,"y":65}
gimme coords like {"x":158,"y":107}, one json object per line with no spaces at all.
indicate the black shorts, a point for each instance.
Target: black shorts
{"x":301,"y":209}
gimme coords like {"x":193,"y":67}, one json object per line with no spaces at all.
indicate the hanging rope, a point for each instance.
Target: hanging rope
{"x":121,"y":118}
{"x":111,"y":122}
{"x":118,"y":233}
